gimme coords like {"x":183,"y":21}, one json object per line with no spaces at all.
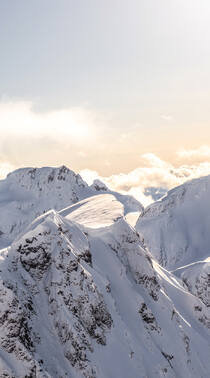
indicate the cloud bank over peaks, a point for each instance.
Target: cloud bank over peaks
{"x":150,"y":180}
{"x":155,"y":176}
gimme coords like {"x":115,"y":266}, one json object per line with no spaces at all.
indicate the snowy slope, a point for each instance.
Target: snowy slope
{"x":81,"y":297}
{"x":176,"y":228}
{"x":196,"y":278}
{"x":96,"y":211}
{"x":29,"y":192}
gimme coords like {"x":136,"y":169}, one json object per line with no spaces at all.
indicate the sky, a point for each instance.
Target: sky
{"x":106,"y":87}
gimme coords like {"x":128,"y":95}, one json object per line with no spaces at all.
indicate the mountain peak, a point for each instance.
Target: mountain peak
{"x":45,"y":174}
{"x":29,"y":192}
{"x":176,"y":228}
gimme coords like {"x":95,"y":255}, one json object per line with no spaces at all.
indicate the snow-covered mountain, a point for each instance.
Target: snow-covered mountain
{"x":29,"y":192}
{"x":176,"y":231}
{"x":176,"y":228}
{"x":82,"y":296}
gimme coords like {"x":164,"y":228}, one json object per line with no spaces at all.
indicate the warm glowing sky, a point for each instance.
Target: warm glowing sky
{"x":98,"y":83}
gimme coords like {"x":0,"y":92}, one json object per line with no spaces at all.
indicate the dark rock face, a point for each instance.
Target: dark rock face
{"x":150,"y":283}
{"x":48,"y":267}
{"x":18,"y":337}
{"x":35,"y":258}
{"x":168,"y":357}
{"x":148,"y":318}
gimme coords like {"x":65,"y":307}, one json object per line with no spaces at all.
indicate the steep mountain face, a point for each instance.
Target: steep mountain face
{"x":176,"y":228}
{"x":29,"y":192}
{"x":81,"y":296}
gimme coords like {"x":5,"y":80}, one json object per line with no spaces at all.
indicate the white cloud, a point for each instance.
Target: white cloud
{"x":167,"y":117}
{"x":19,"y":118}
{"x":5,"y":168}
{"x":81,"y":154}
{"x":89,"y":176}
{"x":153,"y":160}
{"x":30,"y":138}
{"x":50,"y":138}
{"x":155,"y":173}
{"x":202,"y":152}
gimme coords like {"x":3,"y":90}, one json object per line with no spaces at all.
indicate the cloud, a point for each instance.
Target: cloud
{"x":154,"y":172}
{"x":49,"y":138}
{"x":154,"y":161}
{"x":201,"y":153}
{"x":82,"y":154}
{"x":89,"y":176}
{"x":70,"y":136}
{"x":167,"y":117}
{"x":5,"y":168}
{"x":19,"y":118}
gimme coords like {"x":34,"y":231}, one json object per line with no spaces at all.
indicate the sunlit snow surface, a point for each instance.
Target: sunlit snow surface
{"x":97,"y":211}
